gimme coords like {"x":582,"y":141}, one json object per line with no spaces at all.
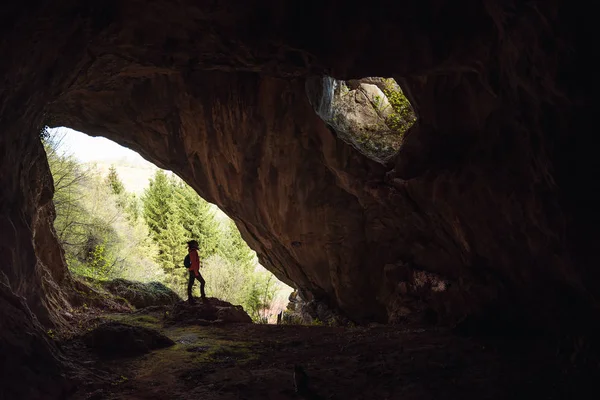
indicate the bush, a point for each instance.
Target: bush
{"x":403,"y":116}
{"x":250,"y":286}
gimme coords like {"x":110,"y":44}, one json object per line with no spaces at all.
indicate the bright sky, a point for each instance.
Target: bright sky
{"x":87,"y":148}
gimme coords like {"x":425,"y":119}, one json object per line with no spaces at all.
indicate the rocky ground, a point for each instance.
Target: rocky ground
{"x":206,"y":354}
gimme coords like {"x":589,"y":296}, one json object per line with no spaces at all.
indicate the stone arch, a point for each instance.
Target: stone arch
{"x":476,"y":201}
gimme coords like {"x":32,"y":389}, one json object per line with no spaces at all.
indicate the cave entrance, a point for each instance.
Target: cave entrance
{"x":118,"y":216}
{"x":372,"y":114}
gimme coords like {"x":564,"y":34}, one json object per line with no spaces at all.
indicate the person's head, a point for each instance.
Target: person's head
{"x":192,"y":244}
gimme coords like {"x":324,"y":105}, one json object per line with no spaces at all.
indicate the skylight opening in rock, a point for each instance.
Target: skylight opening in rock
{"x":372,"y":114}
{"x":119,"y":216}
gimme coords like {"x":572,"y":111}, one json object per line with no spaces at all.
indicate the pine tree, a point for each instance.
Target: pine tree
{"x":172,"y":246}
{"x":114,"y":181}
{"x":235,"y":249}
{"x":176,"y":214}
{"x":132,"y":207}
{"x":198,"y":219}
{"x":157,"y":203}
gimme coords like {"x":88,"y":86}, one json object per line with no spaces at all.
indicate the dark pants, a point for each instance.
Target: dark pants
{"x":200,"y":279}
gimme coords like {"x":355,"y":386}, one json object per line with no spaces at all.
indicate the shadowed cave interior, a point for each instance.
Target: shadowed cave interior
{"x":457,"y":262}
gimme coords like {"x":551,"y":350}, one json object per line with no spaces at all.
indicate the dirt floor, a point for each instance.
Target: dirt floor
{"x":248,"y":361}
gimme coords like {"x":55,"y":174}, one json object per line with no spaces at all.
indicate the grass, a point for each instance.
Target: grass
{"x":196,"y":349}
{"x":147,"y":319}
{"x":144,"y":320}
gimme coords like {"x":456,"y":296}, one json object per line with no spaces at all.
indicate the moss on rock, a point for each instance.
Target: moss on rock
{"x":141,"y":295}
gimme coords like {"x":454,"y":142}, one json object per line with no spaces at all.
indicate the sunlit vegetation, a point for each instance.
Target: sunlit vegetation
{"x":109,"y":233}
{"x":402,"y":116}
{"x":390,"y":109}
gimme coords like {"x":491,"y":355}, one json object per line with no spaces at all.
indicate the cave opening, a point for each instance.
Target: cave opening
{"x":372,"y":114}
{"x":119,"y":217}
{"x":473,"y":225}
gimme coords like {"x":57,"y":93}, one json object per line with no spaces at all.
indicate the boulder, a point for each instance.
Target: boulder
{"x":211,"y":310}
{"x":89,"y":292}
{"x":140,"y":294}
{"x":233,"y":314}
{"x":117,"y":339}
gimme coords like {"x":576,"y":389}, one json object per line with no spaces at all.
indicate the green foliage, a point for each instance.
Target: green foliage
{"x":69,"y":185}
{"x":403,"y":116}
{"x":234,"y":248}
{"x":223,"y":279}
{"x":197,"y":218}
{"x":99,"y":260}
{"x":172,"y":250}
{"x":176,"y":214}
{"x":99,"y":239}
{"x":249,"y":285}
{"x":108,"y":233}
{"x":157,"y":204}
{"x":133,"y":207}
{"x":114,"y":182}
{"x":261,"y":292}
{"x":378,"y":102}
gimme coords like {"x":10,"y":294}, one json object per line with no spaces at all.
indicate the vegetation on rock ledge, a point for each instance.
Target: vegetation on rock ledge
{"x":373,"y":114}
{"x":403,"y":116}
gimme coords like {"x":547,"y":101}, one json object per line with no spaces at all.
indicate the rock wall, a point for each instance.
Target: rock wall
{"x":479,"y":212}
{"x":32,"y":367}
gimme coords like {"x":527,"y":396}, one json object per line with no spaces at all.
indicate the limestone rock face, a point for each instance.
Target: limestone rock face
{"x":362,"y":108}
{"x":376,"y":99}
{"x":359,"y":113}
{"x":482,"y":194}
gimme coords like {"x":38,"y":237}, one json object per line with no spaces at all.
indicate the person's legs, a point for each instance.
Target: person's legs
{"x":202,"y":283}
{"x":190,"y":286}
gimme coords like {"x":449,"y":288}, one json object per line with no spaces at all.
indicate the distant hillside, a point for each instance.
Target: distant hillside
{"x":135,"y":176}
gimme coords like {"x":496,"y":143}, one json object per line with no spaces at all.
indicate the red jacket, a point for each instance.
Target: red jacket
{"x":194,"y":260}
